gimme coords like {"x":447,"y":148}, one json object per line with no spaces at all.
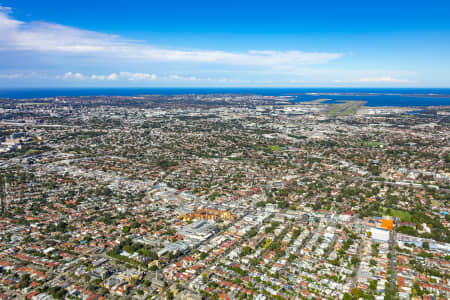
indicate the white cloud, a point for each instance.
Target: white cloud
{"x":183,"y":78}
{"x":176,"y":77}
{"x":45,"y":37}
{"x":296,"y":81}
{"x":383,"y":79}
{"x":138,"y":76}
{"x":142,"y":77}
{"x":112,"y":76}
{"x":77,"y":76}
{"x":13,"y":76}
{"x":97,"y":77}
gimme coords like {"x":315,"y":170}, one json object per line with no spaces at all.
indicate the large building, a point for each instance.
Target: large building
{"x":210,"y":215}
{"x":198,"y":231}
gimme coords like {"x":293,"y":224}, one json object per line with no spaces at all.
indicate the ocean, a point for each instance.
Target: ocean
{"x":379,"y":97}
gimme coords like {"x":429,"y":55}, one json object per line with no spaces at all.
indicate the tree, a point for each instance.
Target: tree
{"x":347,"y":296}
{"x":373,"y":285}
{"x":246,"y":251}
{"x":356,"y":293}
{"x":169,"y":296}
{"x":260,"y":204}
{"x":355,"y":260}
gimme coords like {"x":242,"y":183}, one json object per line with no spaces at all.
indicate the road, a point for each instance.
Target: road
{"x":393,"y":260}
{"x":358,"y":254}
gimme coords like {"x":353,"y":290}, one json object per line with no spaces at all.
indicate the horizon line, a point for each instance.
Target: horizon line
{"x":223,"y":87}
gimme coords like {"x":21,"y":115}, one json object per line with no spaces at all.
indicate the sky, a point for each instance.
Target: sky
{"x":246,"y":43}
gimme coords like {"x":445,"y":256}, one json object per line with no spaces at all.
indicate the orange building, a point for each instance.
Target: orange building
{"x":209,"y":214}
{"x":387,"y":224}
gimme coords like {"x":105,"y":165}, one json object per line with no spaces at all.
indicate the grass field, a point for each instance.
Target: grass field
{"x":31,"y":152}
{"x":402,"y":215}
{"x":317,"y":101}
{"x":274,"y":147}
{"x":372,"y":144}
{"x":436,"y":203}
{"x":345,"y":108}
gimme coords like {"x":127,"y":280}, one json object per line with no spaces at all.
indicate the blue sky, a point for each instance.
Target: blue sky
{"x":231,"y":43}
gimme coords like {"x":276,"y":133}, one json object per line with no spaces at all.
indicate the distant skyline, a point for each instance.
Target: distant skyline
{"x":224,"y":44}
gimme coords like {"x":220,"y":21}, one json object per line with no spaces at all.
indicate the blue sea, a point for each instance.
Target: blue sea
{"x":372,"y":100}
